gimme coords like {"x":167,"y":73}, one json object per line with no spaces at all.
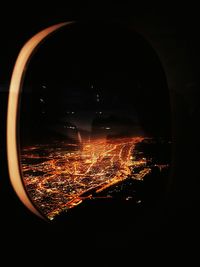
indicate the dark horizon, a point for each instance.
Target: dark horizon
{"x":91,"y":75}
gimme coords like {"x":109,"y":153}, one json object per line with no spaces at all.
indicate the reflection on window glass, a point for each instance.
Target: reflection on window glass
{"x":94,"y":121}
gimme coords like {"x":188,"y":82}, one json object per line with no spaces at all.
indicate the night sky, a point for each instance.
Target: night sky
{"x":95,"y":73}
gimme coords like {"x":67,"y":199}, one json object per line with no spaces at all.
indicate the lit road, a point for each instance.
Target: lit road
{"x":61,"y":177}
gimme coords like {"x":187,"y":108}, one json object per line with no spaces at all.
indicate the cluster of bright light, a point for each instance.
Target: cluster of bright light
{"x":65,"y":177}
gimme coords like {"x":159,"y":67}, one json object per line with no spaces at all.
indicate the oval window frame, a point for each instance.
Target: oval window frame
{"x":15,"y":88}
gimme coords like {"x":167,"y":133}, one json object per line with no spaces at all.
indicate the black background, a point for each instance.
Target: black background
{"x":171,"y":228}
